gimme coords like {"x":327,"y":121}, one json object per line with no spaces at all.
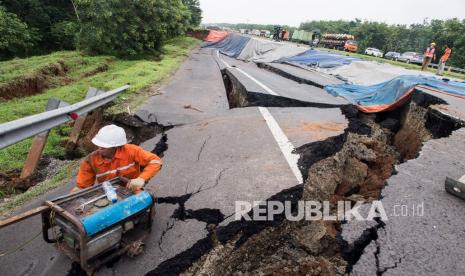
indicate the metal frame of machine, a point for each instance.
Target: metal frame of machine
{"x":94,"y":251}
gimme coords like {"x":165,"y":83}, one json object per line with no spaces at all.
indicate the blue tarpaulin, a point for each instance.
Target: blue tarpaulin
{"x":318,"y":58}
{"x":385,"y":95}
{"x":232,"y":45}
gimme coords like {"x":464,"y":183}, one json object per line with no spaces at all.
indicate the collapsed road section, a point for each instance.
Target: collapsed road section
{"x":247,"y":134}
{"x":355,"y":167}
{"x":367,"y":152}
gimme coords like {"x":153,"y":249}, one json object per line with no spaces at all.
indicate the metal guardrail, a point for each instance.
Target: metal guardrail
{"x":18,"y":130}
{"x":446,"y":68}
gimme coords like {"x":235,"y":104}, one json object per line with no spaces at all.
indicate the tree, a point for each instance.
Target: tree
{"x":196,"y":12}
{"x":129,"y":28}
{"x":15,"y":36}
{"x":41,"y":17}
{"x":372,"y":34}
{"x":64,"y":34}
{"x":401,"y":38}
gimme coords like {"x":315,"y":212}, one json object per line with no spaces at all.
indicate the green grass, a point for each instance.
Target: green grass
{"x":139,"y":73}
{"x":396,"y":63}
{"x":76,"y":63}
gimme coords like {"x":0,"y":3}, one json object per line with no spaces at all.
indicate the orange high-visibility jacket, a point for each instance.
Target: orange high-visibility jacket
{"x":429,"y":52}
{"x":446,"y":55}
{"x":127,"y":162}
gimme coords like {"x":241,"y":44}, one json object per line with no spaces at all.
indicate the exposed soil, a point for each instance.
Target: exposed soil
{"x":11,"y":184}
{"x":33,"y":84}
{"x":409,"y":139}
{"x":353,"y":166}
{"x":43,"y":79}
{"x":101,"y":68}
{"x":200,"y":34}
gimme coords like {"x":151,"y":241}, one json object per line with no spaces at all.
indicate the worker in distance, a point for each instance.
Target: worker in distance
{"x":114,"y":158}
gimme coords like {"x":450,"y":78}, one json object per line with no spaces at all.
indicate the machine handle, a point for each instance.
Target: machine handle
{"x":23,"y":216}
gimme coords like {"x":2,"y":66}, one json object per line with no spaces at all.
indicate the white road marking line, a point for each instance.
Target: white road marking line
{"x":224,"y":62}
{"x":268,"y":90}
{"x":283,"y":142}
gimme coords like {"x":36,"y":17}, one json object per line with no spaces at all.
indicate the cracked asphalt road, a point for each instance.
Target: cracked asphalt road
{"x":429,"y":241}
{"x":215,"y":156}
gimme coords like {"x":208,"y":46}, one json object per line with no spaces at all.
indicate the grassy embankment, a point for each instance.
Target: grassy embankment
{"x":396,"y":63}
{"x":82,"y":72}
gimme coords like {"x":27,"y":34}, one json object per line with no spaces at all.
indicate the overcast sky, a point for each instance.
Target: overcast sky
{"x":293,"y":12}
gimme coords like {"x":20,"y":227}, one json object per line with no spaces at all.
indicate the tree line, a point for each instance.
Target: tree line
{"x":114,"y":27}
{"x":251,"y":26}
{"x":401,"y":38}
{"x":386,"y":37}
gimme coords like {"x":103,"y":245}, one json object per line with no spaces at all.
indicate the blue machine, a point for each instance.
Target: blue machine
{"x":92,"y":230}
{"x":117,"y":212}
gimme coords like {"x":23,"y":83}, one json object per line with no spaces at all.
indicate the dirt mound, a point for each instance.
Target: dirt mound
{"x":10,"y":183}
{"x":199,"y":34}
{"x":101,"y":68}
{"x":137,"y":131}
{"x":271,"y":252}
{"x":33,"y":84}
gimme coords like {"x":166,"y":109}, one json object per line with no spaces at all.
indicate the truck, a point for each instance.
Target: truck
{"x":343,"y":42}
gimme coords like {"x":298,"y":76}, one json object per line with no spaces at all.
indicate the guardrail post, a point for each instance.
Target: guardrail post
{"x":38,"y":144}
{"x":79,"y":122}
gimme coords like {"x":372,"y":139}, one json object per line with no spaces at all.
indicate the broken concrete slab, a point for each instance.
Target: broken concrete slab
{"x":279,"y":86}
{"x":365,"y":265}
{"x":424,"y":232}
{"x":453,"y":106}
{"x":232,"y":157}
{"x":195,"y":92}
{"x":301,"y":75}
{"x":303,"y":125}
{"x":176,"y":239}
{"x":353,"y":230}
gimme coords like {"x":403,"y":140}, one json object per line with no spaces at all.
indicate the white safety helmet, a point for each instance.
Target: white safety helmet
{"x":110,"y":136}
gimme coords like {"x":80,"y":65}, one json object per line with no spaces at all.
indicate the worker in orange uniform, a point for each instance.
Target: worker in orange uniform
{"x":429,"y":56}
{"x":442,"y":61}
{"x":113,"y":158}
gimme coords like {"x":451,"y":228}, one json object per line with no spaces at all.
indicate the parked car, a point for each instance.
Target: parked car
{"x":392,"y":55}
{"x":373,"y":52}
{"x":411,"y":57}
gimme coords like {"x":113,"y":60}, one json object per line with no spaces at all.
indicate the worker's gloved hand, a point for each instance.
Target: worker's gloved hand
{"x":136,"y":184}
{"x":75,"y":190}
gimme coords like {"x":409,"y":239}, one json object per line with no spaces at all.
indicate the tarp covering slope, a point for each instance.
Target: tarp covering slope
{"x":390,"y":94}
{"x":215,"y":36}
{"x":232,"y":45}
{"x":318,"y":59}
{"x":370,"y":72}
{"x":259,"y":50}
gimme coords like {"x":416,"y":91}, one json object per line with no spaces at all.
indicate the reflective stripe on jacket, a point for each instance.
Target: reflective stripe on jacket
{"x":127,"y":162}
{"x":429,"y":52}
